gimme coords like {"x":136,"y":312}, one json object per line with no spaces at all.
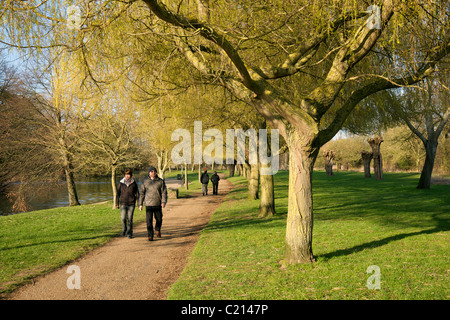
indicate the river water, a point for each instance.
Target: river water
{"x":90,"y":190}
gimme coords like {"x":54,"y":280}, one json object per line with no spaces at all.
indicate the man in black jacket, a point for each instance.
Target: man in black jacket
{"x":215,"y":182}
{"x":204,"y":179}
{"x":127,"y":195}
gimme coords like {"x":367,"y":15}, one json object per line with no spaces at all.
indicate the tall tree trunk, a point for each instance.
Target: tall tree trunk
{"x":267,"y":203}
{"x":427,"y":170}
{"x":367,"y":158}
{"x":253,"y":182}
{"x":71,"y":188}
{"x":231,"y":169}
{"x":113,"y":184}
{"x":68,"y":169}
{"x":162,"y":162}
{"x":246,"y":170}
{"x":299,"y":225}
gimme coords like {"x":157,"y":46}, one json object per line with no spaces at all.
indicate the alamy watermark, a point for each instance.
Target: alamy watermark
{"x":374,"y":281}
{"x":73,"y":13}
{"x":182,"y":152}
{"x":74,"y":281}
{"x":73,"y":17}
{"x":374,"y":20}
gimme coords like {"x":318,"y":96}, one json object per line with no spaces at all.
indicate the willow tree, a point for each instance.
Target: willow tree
{"x":107,"y":135}
{"x":60,"y":106}
{"x":302,"y":65}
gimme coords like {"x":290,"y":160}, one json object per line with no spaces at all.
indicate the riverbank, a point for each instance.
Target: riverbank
{"x":90,"y":190}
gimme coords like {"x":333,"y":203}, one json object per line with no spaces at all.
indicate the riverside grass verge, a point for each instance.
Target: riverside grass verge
{"x":36,"y":242}
{"x":358,"y":223}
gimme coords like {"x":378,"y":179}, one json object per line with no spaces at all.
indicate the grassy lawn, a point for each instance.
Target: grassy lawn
{"x":358,"y":223}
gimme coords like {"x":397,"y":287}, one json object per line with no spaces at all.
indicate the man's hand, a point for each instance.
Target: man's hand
{"x":163,"y":205}
{"x":140,"y":208}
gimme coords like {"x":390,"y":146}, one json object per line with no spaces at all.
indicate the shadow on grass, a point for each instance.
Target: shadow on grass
{"x":442,"y":226}
{"x":61,"y":241}
{"x":376,"y":243}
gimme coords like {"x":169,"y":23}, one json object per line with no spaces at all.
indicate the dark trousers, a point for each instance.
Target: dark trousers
{"x":215,"y":187}
{"x":150,"y":212}
{"x":126,"y":215}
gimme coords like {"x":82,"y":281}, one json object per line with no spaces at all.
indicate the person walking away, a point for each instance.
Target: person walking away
{"x":154,"y":196}
{"x":126,"y":196}
{"x":215,"y":182}
{"x":204,"y":180}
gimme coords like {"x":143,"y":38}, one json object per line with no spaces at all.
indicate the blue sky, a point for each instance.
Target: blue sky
{"x":12,"y":57}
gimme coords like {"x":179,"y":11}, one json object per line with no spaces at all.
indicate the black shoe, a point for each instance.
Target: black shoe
{"x":130,"y":236}
{"x":150,"y":238}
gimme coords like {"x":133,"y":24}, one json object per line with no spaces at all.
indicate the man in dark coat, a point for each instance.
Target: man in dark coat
{"x":154,"y":195}
{"x":127,"y":195}
{"x":215,"y":182}
{"x":204,"y":179}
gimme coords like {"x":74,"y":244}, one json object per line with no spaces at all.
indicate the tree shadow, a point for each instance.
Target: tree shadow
{"x":442,"y":225}
{"x":111,"y":235}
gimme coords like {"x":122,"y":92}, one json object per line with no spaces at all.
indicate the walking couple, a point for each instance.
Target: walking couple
{"x":153,"y":194}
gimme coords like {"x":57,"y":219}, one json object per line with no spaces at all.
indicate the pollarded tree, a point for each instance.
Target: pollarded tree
{"x":375,"y":144}
{"x":329,"y":157}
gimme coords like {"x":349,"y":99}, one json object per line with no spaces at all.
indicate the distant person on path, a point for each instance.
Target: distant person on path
{"x":154,"y":195}
{"x":215,"y":182}
{"x":126,"y":197}
{"x":204,"y":179}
